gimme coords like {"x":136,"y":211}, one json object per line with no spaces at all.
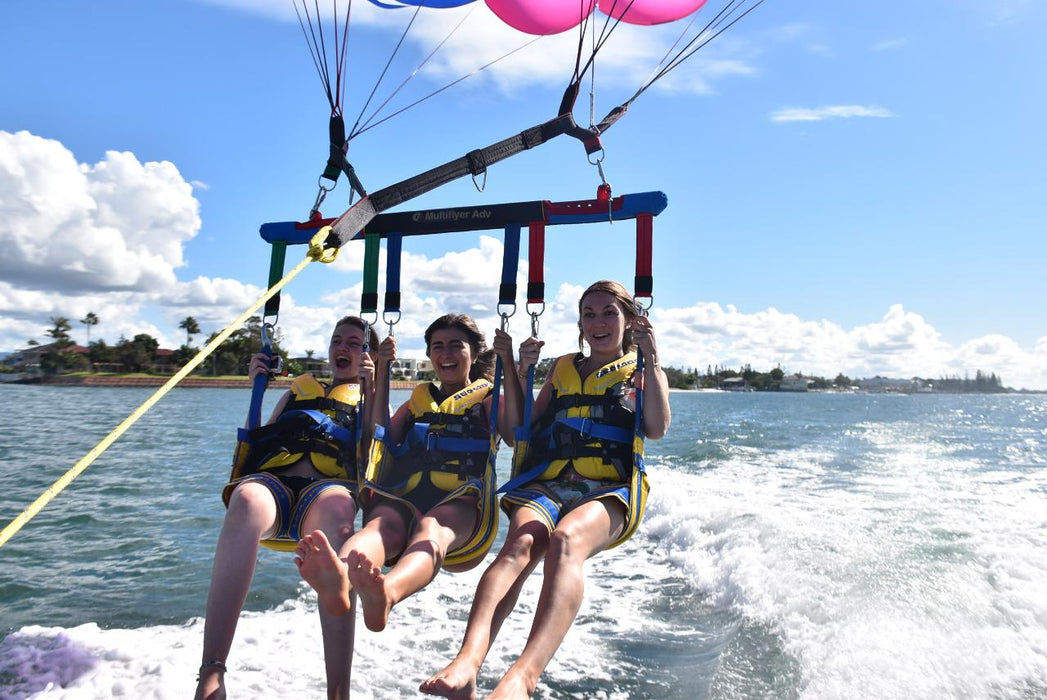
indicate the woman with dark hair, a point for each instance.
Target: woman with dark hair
{"x":584,"y":487}
{"x":290,"y":476}
{"x":429,"y":501}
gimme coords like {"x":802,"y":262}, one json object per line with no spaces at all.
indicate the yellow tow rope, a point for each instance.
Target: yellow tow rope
{"x":316,"y":252}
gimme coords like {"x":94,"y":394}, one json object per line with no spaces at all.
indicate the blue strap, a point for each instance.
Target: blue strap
{"x":638,"y":426}
{"x":254,"y":412}
{"x":510,"y":259}
{"x":523,"y":436}
{"x":393,"y":252}
{"x":587,"y":427}
{"x":325,"y":423}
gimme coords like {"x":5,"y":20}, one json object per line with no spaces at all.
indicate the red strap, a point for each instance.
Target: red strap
{"x":644,"y":244}
{"x":536,"y":263}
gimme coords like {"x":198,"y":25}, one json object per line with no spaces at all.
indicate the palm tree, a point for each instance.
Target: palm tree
{"x":191,"y":328}
{"x":91,"y":319}
{"x":60,"y":332}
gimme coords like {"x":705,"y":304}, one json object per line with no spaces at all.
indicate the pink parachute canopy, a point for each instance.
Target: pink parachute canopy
{"x":554,"y":16}
{"x":650,"y":11}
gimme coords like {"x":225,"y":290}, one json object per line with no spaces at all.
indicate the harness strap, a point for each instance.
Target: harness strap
{"x":346,"y":227}
{"x":536,"y":262}
{"x":393,"y":256}
{"x":510,"y":259}
{"x":588,"y":428}
{"x":644,"y":283}
{"x":369,"y":296}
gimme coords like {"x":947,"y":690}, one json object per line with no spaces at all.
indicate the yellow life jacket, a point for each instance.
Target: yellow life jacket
{"x":449,"y":439}
{"x":588,"y":424}
{"x":318,"y":420}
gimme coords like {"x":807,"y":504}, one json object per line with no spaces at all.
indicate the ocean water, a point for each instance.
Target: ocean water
{"x":795,"y":546}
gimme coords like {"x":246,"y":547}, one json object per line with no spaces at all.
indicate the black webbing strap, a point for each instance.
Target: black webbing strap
{"x":337,"y":163}
{"x":346,"y":227}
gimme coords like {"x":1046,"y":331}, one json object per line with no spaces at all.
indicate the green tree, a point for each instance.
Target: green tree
{"x":182,"y":355}
{"x":100,"y":353}
{"x":191,"y":328}
{"x":234,"y":355}
{"x":59,"y":356}
{"x":60,"y":331}
{"x":91,"y":319}
{"x":137,"y":354}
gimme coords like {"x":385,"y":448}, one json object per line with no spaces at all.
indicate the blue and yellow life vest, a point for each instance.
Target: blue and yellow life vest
{"x":318,"y":421}
{"x":448,"y":439}
{"x":587,"y":424}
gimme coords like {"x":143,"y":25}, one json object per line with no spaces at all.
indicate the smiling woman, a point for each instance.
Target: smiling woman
{"x":429,"y":496}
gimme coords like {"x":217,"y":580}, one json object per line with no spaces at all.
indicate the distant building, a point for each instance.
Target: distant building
{"x":410,"y":368}
{"x":795,"y":383}
{"x":28,"y":359}
{"x":316,"y":366}
{"x":735,"y":384}
{"x":882,"y":385}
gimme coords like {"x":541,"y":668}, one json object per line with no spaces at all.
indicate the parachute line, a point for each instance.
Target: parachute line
{"x":385,"y":69}
{"x":713,"y":29}
{"x":365,"y":126}
{"x":368,"y":126}
{"x":317,"y":44}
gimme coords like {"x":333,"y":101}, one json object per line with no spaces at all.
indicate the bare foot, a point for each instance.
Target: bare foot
{"x":324,"y":571}
{"x":457,"y":681}
{"x":211,"y":685}
{"x":367,"y":580}
{"x":512,"y":686}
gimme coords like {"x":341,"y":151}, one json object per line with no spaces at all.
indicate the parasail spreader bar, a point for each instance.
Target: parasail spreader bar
{"x":482,"y":217}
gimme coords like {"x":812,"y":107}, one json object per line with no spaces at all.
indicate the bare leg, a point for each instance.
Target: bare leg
{"x":495,"y":598}
{"x":582,"y":533}
{"x":440,"y":530}
{"x":251,"y":516}
{"x":333,"y":513}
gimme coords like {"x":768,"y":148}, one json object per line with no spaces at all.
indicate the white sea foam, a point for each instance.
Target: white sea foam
{"x":925,"y":577}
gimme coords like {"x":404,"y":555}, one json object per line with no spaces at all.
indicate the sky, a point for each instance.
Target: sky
{"x":852,"y":187}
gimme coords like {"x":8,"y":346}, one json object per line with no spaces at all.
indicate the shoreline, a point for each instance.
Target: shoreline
{"x":187,"y":383}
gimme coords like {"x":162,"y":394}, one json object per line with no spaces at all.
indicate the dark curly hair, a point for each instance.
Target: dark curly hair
{"x":483,"y":358}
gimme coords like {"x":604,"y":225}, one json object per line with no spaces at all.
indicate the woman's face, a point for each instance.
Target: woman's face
{"x":344,"y":354}
{"x":451,"y":355}
{"x":603,"y":323}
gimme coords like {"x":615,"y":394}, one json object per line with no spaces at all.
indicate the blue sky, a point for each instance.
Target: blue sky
{"x":852,"y":187}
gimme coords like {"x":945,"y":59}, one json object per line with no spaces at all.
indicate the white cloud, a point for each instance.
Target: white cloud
{"x":901,"y":344}
{"x":814,"y":114}
{"x":115,"y":225}
{"x":105,"y":238}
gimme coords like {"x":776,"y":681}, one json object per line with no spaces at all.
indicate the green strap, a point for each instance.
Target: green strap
{"x":369,"y":298}
{"x":276,"y":273}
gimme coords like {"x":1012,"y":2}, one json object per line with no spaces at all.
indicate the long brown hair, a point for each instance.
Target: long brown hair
{"x":483,"y":358}
{"x":625,"y":303}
